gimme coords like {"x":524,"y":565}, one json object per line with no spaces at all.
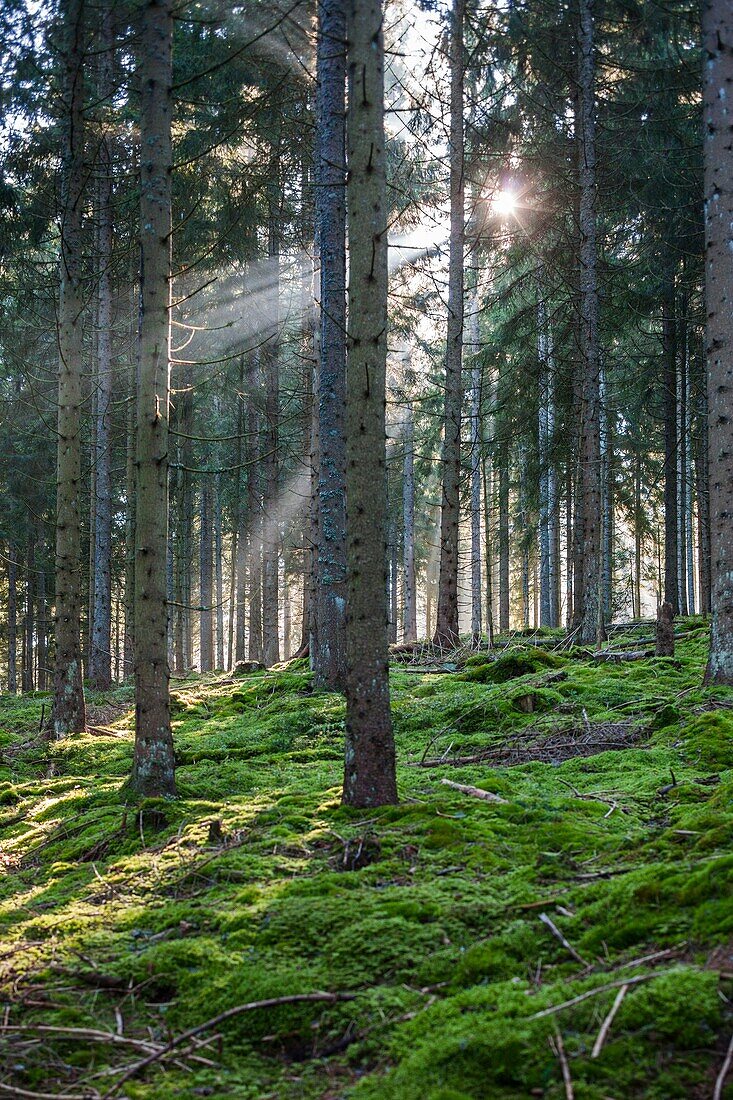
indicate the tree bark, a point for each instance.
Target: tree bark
{"x":504,"y":578}
{"x":703,"y":499}
{"x":153,"y":764}
{"x":254,"y":508}
{"x":12,"y":620}
{"x":328,"y":653}
{"x":446,"y":630}
{"x":206,"y":595}
{"x":29,"y":624}
{"x":669,"y":357}
{"x":588,"y":615}
{"x":409,"y":601}
{"x":219,"y":572}
{"x":271,"y":372}
{"x":475,"y":459}
{"x":718,"y":159}
{"x":100,"y":647}
{"x":549,"y":610}
{"x":41,"y":629}
{"x":369,"y":764}
{"x":68,"y":712}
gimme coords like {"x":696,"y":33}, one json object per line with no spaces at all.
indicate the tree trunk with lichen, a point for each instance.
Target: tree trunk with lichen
{"x":718,"y":155}
{"x":153,"y":764}
{"x":369,"y":771}
{"x":68,"y":711}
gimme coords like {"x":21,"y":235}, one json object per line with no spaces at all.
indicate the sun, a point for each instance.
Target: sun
{"x":504,"y":203}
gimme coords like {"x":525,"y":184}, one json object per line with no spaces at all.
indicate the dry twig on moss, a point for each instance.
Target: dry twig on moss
{"x":720,"y":1079}
{"x":606,"y":1025}
{"x":559,"y":936}
{"x":558,"y":1048}
{"x":475,"y":792}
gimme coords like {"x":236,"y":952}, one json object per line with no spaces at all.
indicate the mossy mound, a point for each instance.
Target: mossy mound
{"x":512,"y":664}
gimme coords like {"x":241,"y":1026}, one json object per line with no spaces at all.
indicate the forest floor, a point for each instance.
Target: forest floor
{"x":485,"y":944}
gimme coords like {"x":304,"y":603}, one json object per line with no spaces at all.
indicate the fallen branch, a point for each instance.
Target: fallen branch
{"x":251,"y":1006}
{"x":606,"y":1025}
{"x":558,"y":1048}
{"x":475,"y":792}
{"x":593,"y":993}
{"x":559,"y":936}
{"x":91,"y":1034}
{"x":609,"y":657}
{"x":720,"y":1079}
{"x":15,"y":1091}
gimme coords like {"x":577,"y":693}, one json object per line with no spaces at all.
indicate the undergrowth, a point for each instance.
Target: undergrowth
{"x":143,"y":921}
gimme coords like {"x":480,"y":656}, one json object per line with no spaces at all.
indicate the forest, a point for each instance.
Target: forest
{"x":366,"y":549}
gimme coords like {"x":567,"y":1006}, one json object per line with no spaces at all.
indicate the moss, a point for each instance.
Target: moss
{"x":708,"y":739}
{"x":438,"y":935}
{"x":511,"y":665}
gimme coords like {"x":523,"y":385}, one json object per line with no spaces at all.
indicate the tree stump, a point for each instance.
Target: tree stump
{"x":665,"y":631}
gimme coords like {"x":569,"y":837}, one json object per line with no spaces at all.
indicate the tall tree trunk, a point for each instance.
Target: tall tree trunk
{"x":638,"y":514}
{"x":369,"y":765}
{"x":702,"y":494}
{"x":100,"y":646}
{"x":607,"y":499}
{"x":569,"y":545}
{"x":548,"y":490}
{"x":68,"y":713}
{"x":12,"y":620}
{"x":206,"y":617}
{"x":393,"y":583}
{"x":524,"y":534}
{"x":682,"y":488}
{"x":271,"y":363}
{"x":718,"y":156}
{"x":504,"y":578}
{"x":41,"y":628}
{"x":669,"y":357}
{"x":254,"y":508}
{"x":238,"y":600}
{"x":588,"y":615}
{"x":475,"y":459}
{"x":287,"y":615}
{"x":446,"y":630}
{"x":409,"y":589}
{"x":219,"y":572}
{"x":153,"y":765}
{"x":328,"y":652}
{"x":690,"y":483}
{"x":29,"y":620}
{"x":131,"y":495}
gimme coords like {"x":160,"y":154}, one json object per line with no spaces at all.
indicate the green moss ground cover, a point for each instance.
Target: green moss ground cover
{"x":142,"y":922}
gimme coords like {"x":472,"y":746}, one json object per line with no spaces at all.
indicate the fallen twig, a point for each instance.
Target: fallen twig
{"x":606,"y":1025}
{"x":558,"y":1047}
{"x":720,"y":1079}
{"x":559,"y":936}
{"x":251,"y":1006}
{"x":91,"y":1034}
{"x":15,"y":1091}
{"x":475,"y":792}
{"x":593,"y":993}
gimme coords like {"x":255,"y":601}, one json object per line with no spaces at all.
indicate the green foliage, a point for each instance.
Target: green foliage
{"x":438,"y":931}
